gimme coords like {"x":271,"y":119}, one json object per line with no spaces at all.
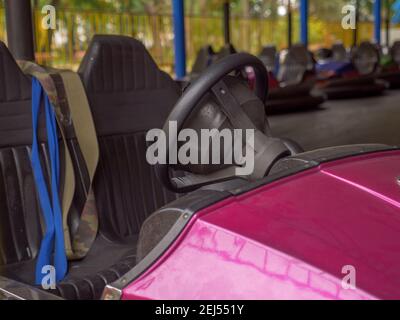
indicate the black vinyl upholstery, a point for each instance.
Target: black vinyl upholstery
{"x":20,"y":225}
{"x":339,"y":53}
{"x":295,"y":63}
{"x":204,"y":59}
{"x":128,"y":95}
{"x":268,"y":57}
{"x":207,"y":56}
{"x":366,"y":58}
{"x":225,"y":51}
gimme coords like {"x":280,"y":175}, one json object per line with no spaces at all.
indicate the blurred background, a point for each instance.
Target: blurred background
{"x":254,"y":23}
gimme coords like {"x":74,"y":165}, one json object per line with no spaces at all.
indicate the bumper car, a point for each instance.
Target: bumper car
{"x":292,"y":228}
{"x":341,"y":77}
{"x":291,"y":82}
{"x":390,"y":66}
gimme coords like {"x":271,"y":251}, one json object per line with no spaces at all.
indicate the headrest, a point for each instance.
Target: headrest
{"x":395,"y":52}
{"x":203,"y":60}
{"x":15,"y":103}
{"x":293,"y":65}
{"x":126,"y":90}
{"x":339,"y":52}
{"x":14,"y":85}
{"x":226,"y":50}
{"x":119,"y":64}
{"x":366,"y":58}
{"x":298,"y":54}
{"x":268,"y":57}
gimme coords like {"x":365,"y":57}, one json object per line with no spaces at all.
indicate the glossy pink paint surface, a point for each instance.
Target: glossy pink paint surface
{"x":291,"y":239}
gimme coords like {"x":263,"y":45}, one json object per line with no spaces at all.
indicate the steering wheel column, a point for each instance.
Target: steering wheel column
{"x":267,"y":150}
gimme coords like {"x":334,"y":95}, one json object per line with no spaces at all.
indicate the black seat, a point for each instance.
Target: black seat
{"x":20,"y":226}
{"x":207,"y":56}
{"x":203,"y":60}
{"x":366,"y":58}
{"x":296,"y":64}
{"x":128,"y":95}
{"x":268,"y":57}
{"x":225,"y":51}
{"x":339,"y":53}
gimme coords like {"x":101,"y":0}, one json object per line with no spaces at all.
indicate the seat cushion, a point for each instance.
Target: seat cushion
{"x":20,"y":223}
{"x":203,"y":60}
{"x":106,"y":262}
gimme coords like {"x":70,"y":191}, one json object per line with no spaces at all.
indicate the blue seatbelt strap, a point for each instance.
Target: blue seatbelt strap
{"x":53,"y":239}
{"x":60,"y":258}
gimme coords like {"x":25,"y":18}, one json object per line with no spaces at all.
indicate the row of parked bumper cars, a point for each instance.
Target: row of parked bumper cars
{"x":351,"y":74}
{"x":291,"y":80}
{"x":299,"y":79}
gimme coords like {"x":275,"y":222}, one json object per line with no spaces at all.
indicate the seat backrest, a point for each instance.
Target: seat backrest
{"x":268,"y":57}
{"x":339,"y":52}
{"x":21,"y":223}
{"x":303,"y":56}
{"x":225,"y":51}
{"x":366,"y":58}
{"x":128,"y":96}
{"x":295,"y":62}
{"x":395,"y":52}
{"x":204,"y":59}
{"x":17,"y":188}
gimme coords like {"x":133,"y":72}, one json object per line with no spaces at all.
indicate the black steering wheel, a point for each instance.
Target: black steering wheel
{"x":212,"y":80}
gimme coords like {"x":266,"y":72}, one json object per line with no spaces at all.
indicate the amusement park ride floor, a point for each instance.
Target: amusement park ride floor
{"x":369,"y":120}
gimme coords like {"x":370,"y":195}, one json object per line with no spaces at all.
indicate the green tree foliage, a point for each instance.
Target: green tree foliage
{"x":323,"y":9}
{"x":254,"y":24}
{"x":84,"y":5}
